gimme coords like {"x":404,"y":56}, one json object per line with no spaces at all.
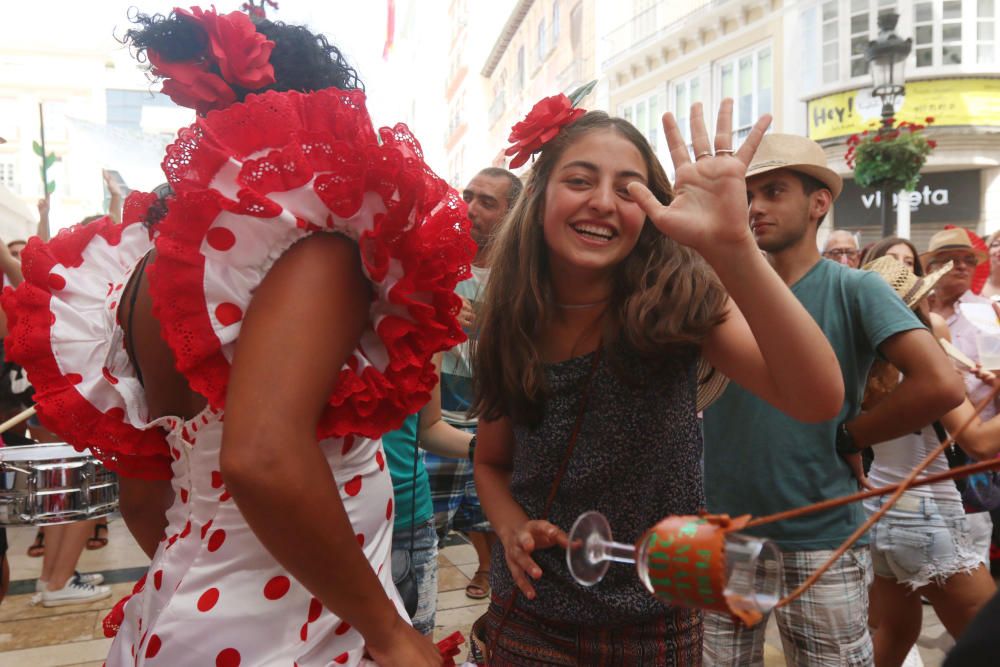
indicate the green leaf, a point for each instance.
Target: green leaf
{"x":577,"y":95}
{"x":37,"y":147}
{"x":50,"y":187}
{"x":49,"y":160}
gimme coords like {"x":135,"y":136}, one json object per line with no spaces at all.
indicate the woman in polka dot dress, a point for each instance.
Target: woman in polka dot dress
{"x":289,"y":288}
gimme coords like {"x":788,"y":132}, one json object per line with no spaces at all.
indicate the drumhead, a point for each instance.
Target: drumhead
{"x":48,"y":452}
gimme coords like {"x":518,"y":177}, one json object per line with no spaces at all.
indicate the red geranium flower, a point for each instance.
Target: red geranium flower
{"x":539,"y":127}
{"x":929,"y":120}
{"x":241,"y":53}
{"x":191,"y":85}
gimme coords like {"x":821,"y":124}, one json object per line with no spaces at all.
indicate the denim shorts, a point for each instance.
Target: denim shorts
{"x":425,"y":566}
{"x":923,"y":540}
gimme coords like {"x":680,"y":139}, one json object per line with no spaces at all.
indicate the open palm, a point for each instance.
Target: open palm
{"x":709,"y":210}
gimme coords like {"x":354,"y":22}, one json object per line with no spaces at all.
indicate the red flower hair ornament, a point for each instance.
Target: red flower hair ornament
{"x":543,"y":123}
{"x":235,"y":55}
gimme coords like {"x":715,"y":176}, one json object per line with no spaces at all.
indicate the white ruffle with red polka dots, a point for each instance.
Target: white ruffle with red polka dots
{"x":215,"y":596}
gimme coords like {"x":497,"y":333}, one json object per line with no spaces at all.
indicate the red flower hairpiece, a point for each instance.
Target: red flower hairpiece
{"x":236,"y":55}
{"x":540,"y":126}
{"x":191,"y":85}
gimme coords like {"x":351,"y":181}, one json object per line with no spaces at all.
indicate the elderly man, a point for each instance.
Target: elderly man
{"x":951,"y":294}
{"x":842,"y":246}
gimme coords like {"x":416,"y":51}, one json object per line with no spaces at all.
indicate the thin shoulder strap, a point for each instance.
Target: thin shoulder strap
{"x":134,"y":285}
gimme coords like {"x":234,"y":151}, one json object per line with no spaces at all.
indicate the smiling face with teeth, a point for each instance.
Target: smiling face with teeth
{"x":590,"y":221}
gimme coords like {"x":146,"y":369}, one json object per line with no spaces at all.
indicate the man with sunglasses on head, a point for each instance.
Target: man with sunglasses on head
{"x":842,"y":247}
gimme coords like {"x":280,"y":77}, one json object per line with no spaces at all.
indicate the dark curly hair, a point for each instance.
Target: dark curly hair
{"x":302,"y":61}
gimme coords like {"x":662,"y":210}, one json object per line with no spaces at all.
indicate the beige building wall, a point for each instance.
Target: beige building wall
{"x":680,"y":55}
{"x":474,"y":27}
{"x":545,"y":47}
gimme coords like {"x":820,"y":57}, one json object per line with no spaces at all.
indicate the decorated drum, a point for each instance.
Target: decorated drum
{"x":699,"y":562}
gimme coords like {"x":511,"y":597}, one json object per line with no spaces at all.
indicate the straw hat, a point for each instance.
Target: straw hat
{"x":790,"y":151}
{"x":910,"y":287}
{"x":952,"y":239}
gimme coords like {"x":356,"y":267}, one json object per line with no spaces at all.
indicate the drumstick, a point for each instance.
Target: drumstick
{"x":17,"y":419}
{"x":957,"y":354}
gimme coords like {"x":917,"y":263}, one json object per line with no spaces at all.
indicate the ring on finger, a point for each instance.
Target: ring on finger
{"x":724,"y":151}
{"x":702,"y":154}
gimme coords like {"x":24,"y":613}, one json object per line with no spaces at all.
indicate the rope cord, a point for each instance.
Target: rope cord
{"x":897,"y":491}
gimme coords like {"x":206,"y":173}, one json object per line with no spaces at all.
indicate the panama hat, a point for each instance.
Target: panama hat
{"x":910,"y":287}
{"x":790,"y":151}
{"x":952,"y":239}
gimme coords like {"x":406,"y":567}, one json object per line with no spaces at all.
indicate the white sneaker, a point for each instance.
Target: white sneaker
{"x":74,"y":592}
{"x":913,"y":658}
{"x":93,"y":579}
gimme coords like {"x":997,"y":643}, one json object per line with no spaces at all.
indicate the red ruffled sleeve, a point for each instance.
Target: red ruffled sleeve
{"x":253,"y":179}
{"x":61,"y":323}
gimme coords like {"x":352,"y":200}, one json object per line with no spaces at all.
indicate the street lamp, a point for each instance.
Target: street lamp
{"x":886,"y":57}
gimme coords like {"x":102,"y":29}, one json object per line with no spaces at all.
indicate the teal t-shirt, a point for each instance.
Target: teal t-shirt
{"x":399,"y":446}
{"x":759,"y":461}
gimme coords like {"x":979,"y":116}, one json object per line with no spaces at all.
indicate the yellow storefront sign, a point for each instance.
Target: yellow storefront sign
{"x":950,"y":101}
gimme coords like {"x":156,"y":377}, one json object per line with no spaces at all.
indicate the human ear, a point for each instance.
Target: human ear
{"x":822,"y":200}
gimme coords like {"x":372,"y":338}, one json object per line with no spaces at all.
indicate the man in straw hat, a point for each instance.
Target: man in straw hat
{"x":760,"y":461}
{"x":951,"y":297}
{"x":954,"y":291}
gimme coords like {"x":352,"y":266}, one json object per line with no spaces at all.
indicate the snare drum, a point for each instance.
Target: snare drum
{"x":45,"y":485}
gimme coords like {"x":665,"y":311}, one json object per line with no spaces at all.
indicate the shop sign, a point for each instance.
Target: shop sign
{"x":951,"y":196}
{"x":951,"y":102}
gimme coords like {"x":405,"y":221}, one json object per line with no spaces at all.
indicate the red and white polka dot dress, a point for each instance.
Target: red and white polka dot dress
{"x":250,"y":181}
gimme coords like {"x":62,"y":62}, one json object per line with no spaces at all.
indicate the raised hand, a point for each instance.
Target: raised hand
{"x":467,"y":315}
{"x":709,"y":210}
{"x":114,"y":188}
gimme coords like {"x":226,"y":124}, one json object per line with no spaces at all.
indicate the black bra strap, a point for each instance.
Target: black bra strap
{"x":136,"y":282}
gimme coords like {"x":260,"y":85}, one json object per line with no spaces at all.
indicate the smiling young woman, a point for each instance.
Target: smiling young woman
{"x":600,"y":288}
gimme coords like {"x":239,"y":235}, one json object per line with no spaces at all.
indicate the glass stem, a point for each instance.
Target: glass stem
{"x":619,"y":552}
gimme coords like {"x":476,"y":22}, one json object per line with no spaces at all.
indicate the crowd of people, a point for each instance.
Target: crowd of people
{"x":304,"y":306}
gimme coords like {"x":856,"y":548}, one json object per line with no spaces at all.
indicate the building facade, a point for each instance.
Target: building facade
{"x":467,"y":141}
{"x":803,"y":62}
{"x":665,"y":56}
{"x":545,"y":47}
{"x":952,"y":75}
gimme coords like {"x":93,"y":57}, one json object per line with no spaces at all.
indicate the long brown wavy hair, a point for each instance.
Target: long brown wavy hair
{"x":664,"y":297}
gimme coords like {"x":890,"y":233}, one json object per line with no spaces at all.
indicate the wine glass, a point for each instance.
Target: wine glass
{"x":685,"y":560}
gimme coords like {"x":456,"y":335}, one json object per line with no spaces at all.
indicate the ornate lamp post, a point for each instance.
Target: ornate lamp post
{"x":886,"y":57}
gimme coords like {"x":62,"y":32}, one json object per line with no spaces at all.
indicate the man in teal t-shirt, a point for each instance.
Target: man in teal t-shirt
{"x":759,"y":461}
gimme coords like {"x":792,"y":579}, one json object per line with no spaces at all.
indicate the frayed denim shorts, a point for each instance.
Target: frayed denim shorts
{"x":923,"y":540}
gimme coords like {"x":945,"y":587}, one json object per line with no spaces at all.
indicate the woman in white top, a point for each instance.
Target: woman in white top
{"x":926,"y":545}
